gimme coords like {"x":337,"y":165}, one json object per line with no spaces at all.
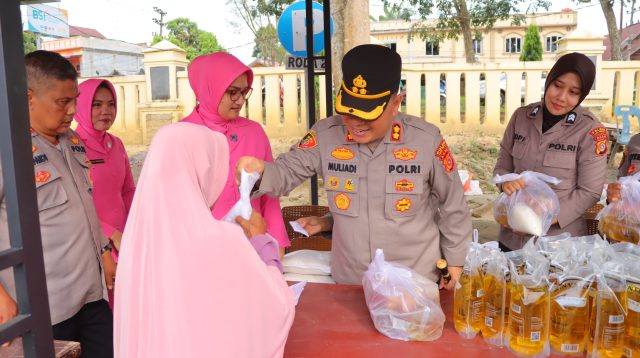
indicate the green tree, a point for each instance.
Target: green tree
{"x":29,"y":41}
{"x":532,"y":48}
{"x":260,"y":17}
{"x":464,"y":17}
{"x":186,"y":35}
{"x":612,"y":27}
{"x":393,"y":12}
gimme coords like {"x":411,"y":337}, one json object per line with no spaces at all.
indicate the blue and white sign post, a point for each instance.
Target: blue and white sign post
{"x":292,"y":29}
{"x":307,"y":25}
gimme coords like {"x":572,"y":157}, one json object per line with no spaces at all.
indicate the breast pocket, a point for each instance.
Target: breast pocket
{"x":519,"y":149}
{"x":402,"y":195}
{"x":342,"y":194}
{"x":81,"y":158}
{"x":561,"y":165}
{"x":49,"y":188}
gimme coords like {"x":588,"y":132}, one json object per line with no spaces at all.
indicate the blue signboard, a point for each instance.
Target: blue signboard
{"x":292,"y":29}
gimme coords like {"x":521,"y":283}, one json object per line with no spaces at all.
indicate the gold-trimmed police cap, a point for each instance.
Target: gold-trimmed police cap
{"x":370,"y":75}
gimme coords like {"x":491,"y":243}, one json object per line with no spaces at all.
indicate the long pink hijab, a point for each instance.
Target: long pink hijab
{"x":94,"y":139}
{"x":189,"y":285}
{"x":209,"y":77}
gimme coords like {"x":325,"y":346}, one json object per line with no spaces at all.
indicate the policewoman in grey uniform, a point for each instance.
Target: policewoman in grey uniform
{"x":388,"y":175}
{"x":629,"y":165}
{"x":559,"y":138}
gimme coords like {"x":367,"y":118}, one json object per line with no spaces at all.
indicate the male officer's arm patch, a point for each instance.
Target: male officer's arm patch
{"x":308,"y":141}
{"x":444,"y":154}
{"x":601,"y":139}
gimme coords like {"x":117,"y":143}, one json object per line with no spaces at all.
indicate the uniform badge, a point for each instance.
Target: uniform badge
{"x":42,"y":176}
{"x":74,"y":140}
{"x":348,"y":185}
{"x":342,"y":201}
{"x":333,"y":183}
{"x":404,"y":185}
{"x":342,"y":153}
{"x":405,"y":154}
{"x":534,"y":111}
{"x":33,"y":149}
{"x":396,"y":132}
{"x":601,"y":147}
{"x":88,"y":163}
{"x":349,"y":137}
{"x":444,"y":154}
{"x":359,"y":85}
{"x":571,"y":118}
{"x":308,"y":141}
{"x":632,"y":169}
{"x":403,"y":205}
{"x":234,"y":138}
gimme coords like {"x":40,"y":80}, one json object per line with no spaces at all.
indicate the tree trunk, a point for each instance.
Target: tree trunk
{"x":614,"y":35}
{"x":351,"y":28}
{"x":465,"y":25}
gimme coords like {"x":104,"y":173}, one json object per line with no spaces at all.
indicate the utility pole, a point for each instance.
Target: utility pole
{"x":159,"y":21}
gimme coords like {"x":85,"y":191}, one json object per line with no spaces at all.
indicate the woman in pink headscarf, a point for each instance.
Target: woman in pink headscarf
{"x":171,"y":242}
{"x":222,"y":84}
{"x":113,"y":186}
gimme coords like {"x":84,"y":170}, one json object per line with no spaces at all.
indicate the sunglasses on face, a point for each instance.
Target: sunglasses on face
{"x":235,"y":93}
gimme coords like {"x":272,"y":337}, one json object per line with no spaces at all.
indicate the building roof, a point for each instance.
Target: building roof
{"x":630,"y":40}
{"x":84,"y":32}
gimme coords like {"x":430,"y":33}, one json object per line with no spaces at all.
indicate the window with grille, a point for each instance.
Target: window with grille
{"x":513,"y":44}
{"x":432,"y":48}
{"x":552,"y":43}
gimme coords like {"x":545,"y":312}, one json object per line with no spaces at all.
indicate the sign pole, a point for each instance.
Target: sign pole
{"x":311,"y":88}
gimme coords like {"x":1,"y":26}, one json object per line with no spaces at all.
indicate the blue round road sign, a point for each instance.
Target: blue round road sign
{"x":292,"y":29}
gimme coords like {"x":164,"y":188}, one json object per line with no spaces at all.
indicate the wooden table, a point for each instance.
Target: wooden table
{"x":63,"y":349}
{"x":333,"y":321}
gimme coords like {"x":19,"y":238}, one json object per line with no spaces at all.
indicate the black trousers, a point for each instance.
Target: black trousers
{"x":92,"y":326}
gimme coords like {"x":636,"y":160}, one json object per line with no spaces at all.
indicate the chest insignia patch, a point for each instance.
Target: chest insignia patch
{"x":405,"y":154}
{"x":403,"y":205}
{"x":74,"y":140}
{"x":333,"y":183}
{"x":349,"y":185}
{"x":396,"y":132}
{"x":342,"y":201}
{"x":571,"y":118}
{"x":42,"y":176}
{"x":404,"y":185}
{"x":308,"y":141}
{"x":632,"y":169}
{"x":444,"y":154}
{"x":33,"y":149}
{"x":342,"y":153}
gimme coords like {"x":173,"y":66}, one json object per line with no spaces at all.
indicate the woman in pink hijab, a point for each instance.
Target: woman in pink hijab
{"x":113,"y":186}
{"x":222,"y":84}
{"x":175,"y":291}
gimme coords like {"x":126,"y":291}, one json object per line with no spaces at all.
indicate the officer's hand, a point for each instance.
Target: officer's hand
{"x":250,"y":165}
{"x":510,"y":187}
{"x":8,"y":309}
{"x":314,"y":224}
{"x":116,"y":238}
{"x":254,"y":226}
{"x":613,"y":192}
{"x":109,"y":269}
{"x":455,"y":272}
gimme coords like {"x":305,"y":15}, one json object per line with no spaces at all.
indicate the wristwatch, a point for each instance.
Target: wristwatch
{"x":106,"y":248}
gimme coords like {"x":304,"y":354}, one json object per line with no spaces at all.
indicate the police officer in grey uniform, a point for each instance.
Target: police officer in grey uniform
{"x":77,"y":258}
{"x":559,"y":138}
{"x":390,"y":178}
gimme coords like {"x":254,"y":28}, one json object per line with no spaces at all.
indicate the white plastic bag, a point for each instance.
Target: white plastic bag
{"x":403,"y":304}
{"x":243,"y":206}
{"x":307,"y":262}
{"x":620,"y":221}
{"x":530,"y":210}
